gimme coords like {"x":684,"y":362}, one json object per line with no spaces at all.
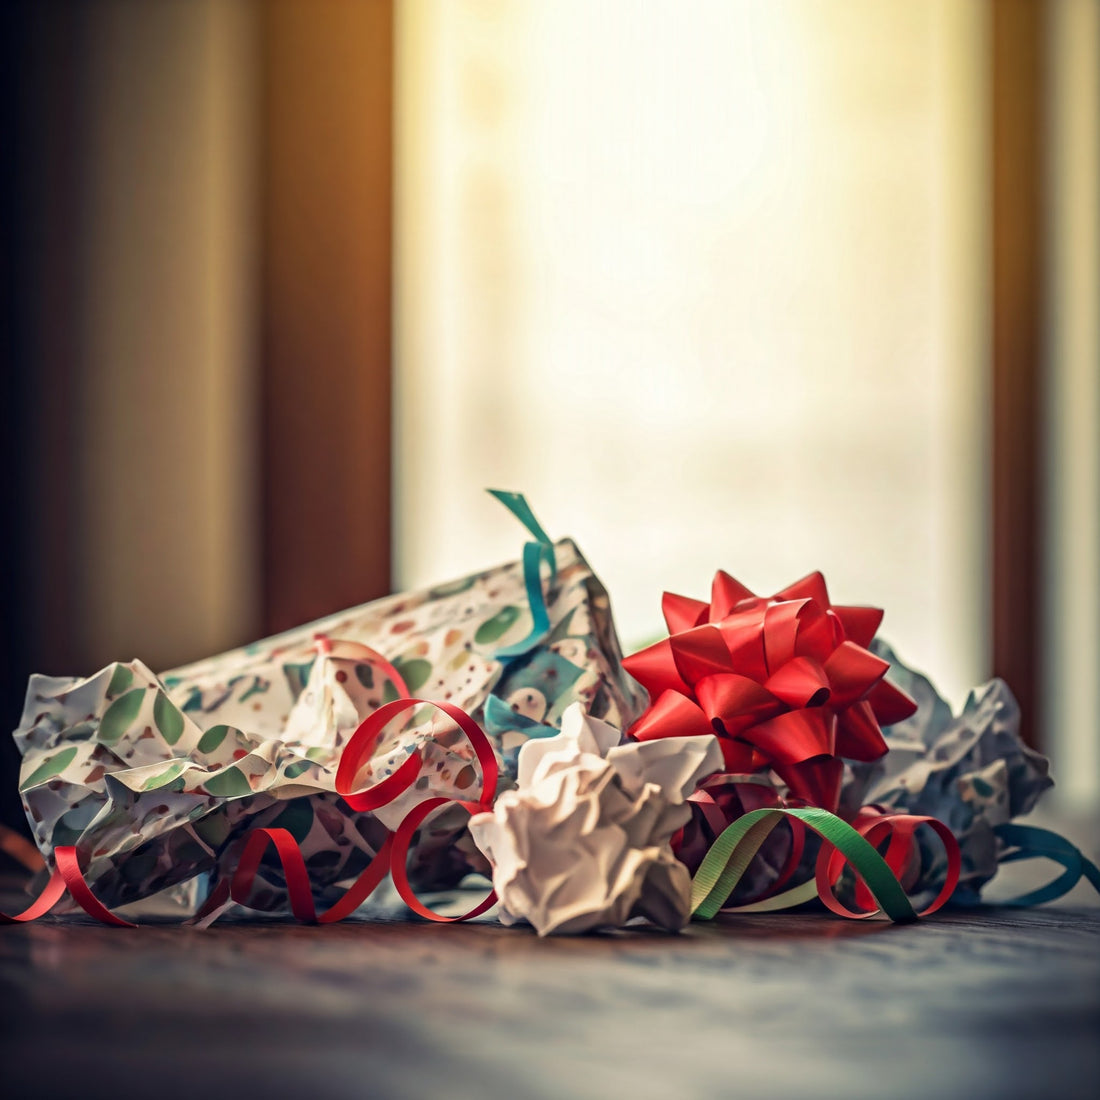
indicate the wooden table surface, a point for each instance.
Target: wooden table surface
{"x":990,"y":1003}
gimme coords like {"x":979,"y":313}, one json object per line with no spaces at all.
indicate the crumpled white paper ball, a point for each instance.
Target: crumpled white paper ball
{"x":583,"y":842}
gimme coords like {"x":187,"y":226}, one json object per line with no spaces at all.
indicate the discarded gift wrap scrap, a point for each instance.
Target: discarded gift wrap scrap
{"x":770,"y":752}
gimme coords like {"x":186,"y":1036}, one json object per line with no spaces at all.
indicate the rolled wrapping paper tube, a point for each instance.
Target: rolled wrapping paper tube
{"x":539,"y":551}
{"x":391,"y":857}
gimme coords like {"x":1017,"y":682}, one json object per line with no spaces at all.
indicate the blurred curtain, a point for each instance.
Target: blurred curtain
{"x":129,"y":287}
{"x":196,"y":275}
{"x":1070,"y":631}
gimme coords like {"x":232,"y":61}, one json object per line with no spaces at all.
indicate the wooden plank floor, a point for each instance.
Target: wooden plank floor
{"x":991,"y":1003}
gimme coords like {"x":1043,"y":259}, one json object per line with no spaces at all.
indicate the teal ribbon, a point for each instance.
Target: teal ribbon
{"x":1031,"y":842}
{"x":500,"y":718}
{"x":534,"y":554}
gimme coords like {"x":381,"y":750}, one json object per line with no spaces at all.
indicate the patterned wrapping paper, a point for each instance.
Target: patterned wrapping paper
{"x":156,"y":779}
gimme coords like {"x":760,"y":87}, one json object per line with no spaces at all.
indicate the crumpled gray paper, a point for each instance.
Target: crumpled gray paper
{"x":970,"y":771}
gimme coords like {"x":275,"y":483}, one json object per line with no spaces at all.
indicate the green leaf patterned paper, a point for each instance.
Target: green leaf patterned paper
{"x":120,"y":716}
{"x":253,"y":736}
{"x":121,"y":679}
{"x":168,"y":717}
{"x":51,"y":766}
{"x":230,"y":783}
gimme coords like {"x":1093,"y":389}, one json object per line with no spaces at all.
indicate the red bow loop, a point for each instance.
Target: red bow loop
{"x":801,"y":682}
{"x":853,"y":671}
{"x":700,"y":652}
{"x":810,"y":587}
{"x":655,"y":669}
{"x":682,"y":612}
{"x":859,"y":736}
{"x":672,"y":715}
{"x":725,"y":594}
{"x":786,"y":682}
{"x":815,"y":782}
{"x":734,"y":703}
{"x":796,"y":736}
{"x":860,"y":623}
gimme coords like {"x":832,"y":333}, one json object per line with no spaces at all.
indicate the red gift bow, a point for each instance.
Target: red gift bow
{"x":786,"y":682}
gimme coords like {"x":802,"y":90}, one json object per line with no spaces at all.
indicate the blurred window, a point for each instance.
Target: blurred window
{"x":706,"y":281}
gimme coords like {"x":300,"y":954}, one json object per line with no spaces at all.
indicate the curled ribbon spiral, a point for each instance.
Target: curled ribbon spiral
{"x":392,"y":857}
{"x":879,"y":889}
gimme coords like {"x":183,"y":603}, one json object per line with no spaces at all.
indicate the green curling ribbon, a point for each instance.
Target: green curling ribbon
{"x":534,"y":554}
{"x":733,"y":851}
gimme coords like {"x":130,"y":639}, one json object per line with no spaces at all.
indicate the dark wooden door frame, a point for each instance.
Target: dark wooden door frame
{"x":1016,"y":531}
{"x":325,"y":301}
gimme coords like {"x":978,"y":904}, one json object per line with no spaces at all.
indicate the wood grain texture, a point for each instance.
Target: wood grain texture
{"x":327,"y":186}
{"x":992,"y":1004}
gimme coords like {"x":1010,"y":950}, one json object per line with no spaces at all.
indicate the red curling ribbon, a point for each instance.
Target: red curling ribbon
{"x":52,"y":893}
{"x":392,"y":857}
{"x":357,"y":651}
{"x":68,"y":876}
{"x":786,"y":682}
{"x":360,"y":750}
{"x":69,"y":865}
{"x":399,"y":866}
{"x":876,"y":825}
{"x":298,"y":888}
